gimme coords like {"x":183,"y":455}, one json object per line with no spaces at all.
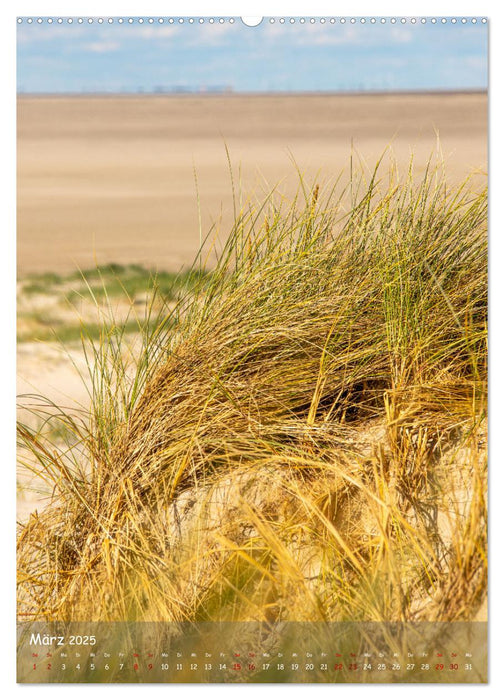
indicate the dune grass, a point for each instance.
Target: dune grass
{"x":302,"y":437}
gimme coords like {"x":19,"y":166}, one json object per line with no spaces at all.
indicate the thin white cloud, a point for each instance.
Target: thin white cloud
{"x":477,"y":62}
{"x":200,"y":35}
{"x":152,"y":31}
{"x":211,"y":34}
{"x":101,"y":46}
{"x":338,"y":35}
{"x":64,"y":33}
{"x":31,"y":34}
{"x":400,"y":35}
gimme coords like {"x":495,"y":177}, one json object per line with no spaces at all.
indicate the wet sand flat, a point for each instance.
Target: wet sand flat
{"x":112,"y":179}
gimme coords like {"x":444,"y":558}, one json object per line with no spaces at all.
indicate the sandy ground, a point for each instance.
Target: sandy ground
{"x":58,"y":375}
{"x":112,"y":179}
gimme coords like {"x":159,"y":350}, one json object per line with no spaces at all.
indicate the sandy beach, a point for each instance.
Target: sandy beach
{"x":113,"y":179}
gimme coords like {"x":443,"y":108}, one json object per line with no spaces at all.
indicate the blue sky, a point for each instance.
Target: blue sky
{"x":328,"y":56}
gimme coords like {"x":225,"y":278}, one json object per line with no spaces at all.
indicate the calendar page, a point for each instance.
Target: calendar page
{"x":252,"y":349}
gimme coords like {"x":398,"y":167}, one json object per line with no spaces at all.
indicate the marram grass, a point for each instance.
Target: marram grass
{"x":301,"y":438}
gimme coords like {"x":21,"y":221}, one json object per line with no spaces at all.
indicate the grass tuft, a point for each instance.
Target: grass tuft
{"x":300,"y":437}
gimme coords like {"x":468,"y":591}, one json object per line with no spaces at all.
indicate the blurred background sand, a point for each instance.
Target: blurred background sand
{"x":112,"y":179}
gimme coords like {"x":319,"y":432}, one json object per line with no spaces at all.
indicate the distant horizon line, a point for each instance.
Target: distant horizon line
{"x":253,"y":93}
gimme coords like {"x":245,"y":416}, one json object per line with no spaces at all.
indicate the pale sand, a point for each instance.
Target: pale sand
{"x":112,"y":179}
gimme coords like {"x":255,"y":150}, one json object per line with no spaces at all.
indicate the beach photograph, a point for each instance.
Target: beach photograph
{"x":252,"y":323}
